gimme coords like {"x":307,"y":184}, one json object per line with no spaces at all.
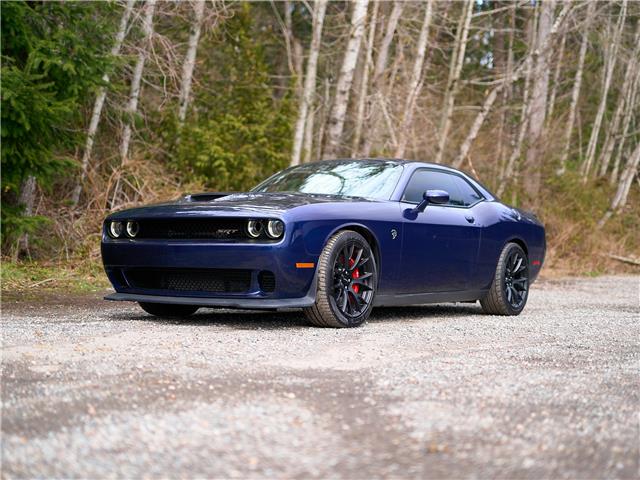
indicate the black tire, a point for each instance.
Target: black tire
{"x":345,"y":295}
{"x":510,"y":288}
{"x":168,"y":310}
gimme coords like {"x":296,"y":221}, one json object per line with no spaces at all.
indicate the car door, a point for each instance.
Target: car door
{"x":440,"y":245}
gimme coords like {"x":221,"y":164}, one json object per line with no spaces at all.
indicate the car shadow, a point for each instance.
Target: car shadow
{"x":289,"y":319}
{"x":434,"y":312}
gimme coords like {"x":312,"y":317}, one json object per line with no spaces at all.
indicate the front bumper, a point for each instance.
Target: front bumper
{"x":294,"y":287}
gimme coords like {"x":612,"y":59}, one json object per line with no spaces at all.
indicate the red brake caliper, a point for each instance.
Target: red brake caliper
{"x":355,"y":274}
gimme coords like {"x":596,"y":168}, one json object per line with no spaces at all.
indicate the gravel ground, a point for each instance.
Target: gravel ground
{"x":97,"y":389}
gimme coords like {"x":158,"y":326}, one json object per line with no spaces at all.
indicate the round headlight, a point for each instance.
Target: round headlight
{"x":115,"y":229}
{"x":275,"y":228}
{"x":254,"y":228}
{"x":132,"y":229}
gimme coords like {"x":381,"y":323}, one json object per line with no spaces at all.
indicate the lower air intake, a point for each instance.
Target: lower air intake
{"x":267,"y":281}
{"x":191,"y":280}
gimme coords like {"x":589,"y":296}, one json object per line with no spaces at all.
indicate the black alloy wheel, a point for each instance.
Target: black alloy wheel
{"x":352,"y":279}
{"x":510,"y":288}
{"x":347,"y":279}
{"x":516,"y":279}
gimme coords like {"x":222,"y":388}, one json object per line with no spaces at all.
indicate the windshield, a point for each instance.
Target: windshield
{"x":359,"y":178}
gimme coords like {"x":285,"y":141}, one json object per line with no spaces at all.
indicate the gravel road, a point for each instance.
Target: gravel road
{"x":96,"y":389}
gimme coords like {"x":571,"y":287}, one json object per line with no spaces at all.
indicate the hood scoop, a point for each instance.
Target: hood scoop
{"x":206,"y":197}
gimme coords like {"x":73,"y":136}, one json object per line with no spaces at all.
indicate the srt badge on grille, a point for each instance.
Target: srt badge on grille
{"x":226,"y":232}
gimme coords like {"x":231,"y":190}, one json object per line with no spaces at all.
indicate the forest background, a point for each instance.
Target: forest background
{"x":106,"y":105}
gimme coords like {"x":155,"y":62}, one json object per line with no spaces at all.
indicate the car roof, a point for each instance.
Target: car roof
{"x":399,"y":161}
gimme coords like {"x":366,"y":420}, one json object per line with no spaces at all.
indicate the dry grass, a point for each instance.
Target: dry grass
{"x":70,"y":277}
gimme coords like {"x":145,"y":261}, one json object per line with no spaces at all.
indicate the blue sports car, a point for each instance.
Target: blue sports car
{"x":335,"y":238}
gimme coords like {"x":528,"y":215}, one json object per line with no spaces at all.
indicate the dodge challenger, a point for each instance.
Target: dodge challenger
{"x":334,"y":238}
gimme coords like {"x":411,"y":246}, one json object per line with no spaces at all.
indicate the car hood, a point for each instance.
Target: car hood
{"x":237,"y":204}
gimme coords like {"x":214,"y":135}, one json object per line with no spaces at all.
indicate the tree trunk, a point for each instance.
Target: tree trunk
{"x":377,"y":85}
{"x":345,"y":79}
{"x":455,"y":69}
{"x":364,"y":85}
{"x":294,"y":49}
{"x":326,"y":104}
{"x":414,"y":82}
{"x":575,"y":93}
{"x":99,"y":104}
{"x":623,"y":97}
{"x":319,"y":10}
{"x":556,"y":79}
{"x":633,"y":106}
{"x":507,"y":71}
{"x":477,"y":123}
{"x":608,"y":75}
{"x":132,"y":105}
{"x":383,"y":54}
{"x":190,"y":61}
{"x":540,"y":85}
{"x":527,"y":66}
{"x":522,"y":129}
{"x":622,"y":193}
{"x":27,"y":200}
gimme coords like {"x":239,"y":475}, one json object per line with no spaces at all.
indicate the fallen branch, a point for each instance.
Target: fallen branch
{"x":41,"y":282}
{"x":629,"y":260}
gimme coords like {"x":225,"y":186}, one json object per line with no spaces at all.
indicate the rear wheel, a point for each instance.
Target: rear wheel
{"x":168,"y":310}
{"x":347,"y":281}
{"x":510,"y":288}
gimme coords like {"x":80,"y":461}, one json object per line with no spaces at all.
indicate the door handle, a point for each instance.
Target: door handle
{"x":470,"y":218}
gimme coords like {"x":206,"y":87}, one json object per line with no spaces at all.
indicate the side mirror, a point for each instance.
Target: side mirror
{"x":436,"y":197}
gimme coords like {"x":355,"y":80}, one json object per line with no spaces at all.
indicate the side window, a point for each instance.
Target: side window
{"x":468,"y":194}
{"x":459,"y":190}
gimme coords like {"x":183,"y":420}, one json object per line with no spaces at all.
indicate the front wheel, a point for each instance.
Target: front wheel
{"x":347,"y":281}
{"x":510,"y":288}
{"x":168,"y":310}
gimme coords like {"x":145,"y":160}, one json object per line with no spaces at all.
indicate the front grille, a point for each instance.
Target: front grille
{"x":267,"y":281}
{"x":191,"y":280}
{"x":194,"y":228}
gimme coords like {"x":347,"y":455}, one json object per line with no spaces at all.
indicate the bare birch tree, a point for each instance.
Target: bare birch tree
{"x":345,"y":79}
{"x":551,"y":104}
{"x":320,"y":7}
{"x":99,"y":104}
{"x":504,"y":66}
{"x":633,"y":107}
{"x":292,"y":46}
{"x":477,"y":124}
{"x":525,"y":66}
{"x":414,"y":82}
{"x":627,"y":84}
{"x":132,"y":105}
{"x":377,"y":84}
{"x":190,"y":60}
{"x":364,"y":83}
{"x":453,"y":81}
{"x":608,"y":75}
{"x":540,"y":86}
{"x":622,"y":193}
{"x":575,"y":92}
